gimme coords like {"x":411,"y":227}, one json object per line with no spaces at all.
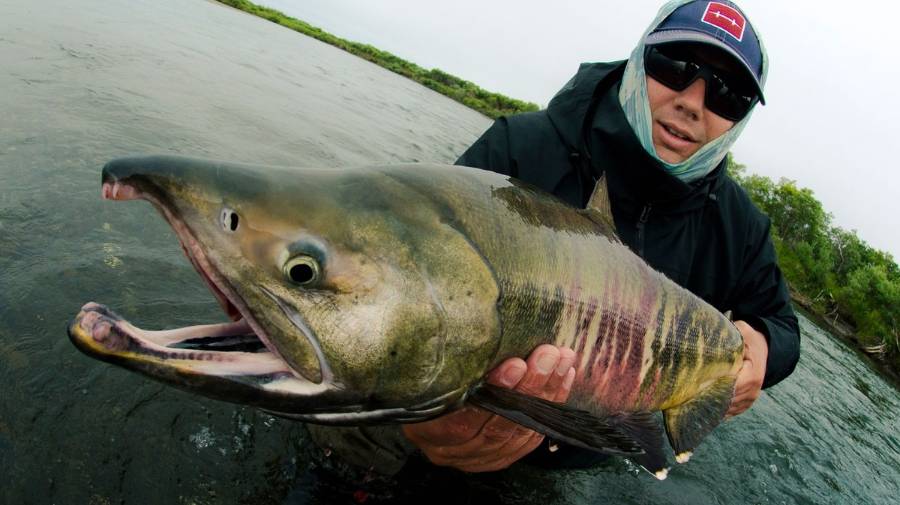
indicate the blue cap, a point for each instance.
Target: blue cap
{"x":721,"y":24}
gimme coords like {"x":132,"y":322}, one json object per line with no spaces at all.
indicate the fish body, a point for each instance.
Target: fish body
{"x":385,"y":294}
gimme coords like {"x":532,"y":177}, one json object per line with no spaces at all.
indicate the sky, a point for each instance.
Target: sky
{"x":832,"y":105}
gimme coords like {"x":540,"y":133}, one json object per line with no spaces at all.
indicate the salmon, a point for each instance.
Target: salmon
{"x":385,"y":294}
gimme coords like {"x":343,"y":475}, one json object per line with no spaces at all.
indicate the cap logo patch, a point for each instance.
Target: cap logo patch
{"x":726,"y":18}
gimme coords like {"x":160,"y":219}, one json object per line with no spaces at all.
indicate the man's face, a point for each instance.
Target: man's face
{"x":681,"y":122}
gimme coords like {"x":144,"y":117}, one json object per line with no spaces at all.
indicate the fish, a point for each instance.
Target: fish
{"x":384,"y":295}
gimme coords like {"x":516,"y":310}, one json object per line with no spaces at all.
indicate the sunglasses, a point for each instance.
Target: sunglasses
{"x":726,"y":95}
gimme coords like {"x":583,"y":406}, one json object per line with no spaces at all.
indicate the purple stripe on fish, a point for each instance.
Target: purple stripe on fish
{"x":624,"y":361}
{"x":581,"y":331}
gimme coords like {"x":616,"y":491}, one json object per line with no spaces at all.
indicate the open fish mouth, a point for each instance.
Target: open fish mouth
{"x":234,"y":361}
{"x":227,"y":349}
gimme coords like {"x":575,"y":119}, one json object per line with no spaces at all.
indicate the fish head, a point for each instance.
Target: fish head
{"x":369,"y":305}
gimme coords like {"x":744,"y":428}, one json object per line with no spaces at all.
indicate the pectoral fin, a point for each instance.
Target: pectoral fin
{"x":566,"y":424}
{"x":689,"y":422}
{"x":648,"y":431}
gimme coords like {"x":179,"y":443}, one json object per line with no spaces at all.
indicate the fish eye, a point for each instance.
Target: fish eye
{"x":303,"y":270}
{"x":229,"y":220}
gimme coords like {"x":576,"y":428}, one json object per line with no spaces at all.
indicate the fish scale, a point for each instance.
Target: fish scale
{"x":642,"y":342}
{"x":423,"y":279}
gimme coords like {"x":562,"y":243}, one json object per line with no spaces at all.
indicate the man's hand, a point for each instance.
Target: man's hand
{"x":475,"y":440}
{"x":750,"y":377}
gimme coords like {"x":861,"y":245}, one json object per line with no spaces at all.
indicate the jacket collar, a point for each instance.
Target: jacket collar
{"x":568,"y":107}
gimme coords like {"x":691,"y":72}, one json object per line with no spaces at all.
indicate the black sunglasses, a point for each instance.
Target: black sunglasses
{"x":726,"y":95}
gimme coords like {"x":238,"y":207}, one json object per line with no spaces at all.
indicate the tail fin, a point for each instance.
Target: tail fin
{"x":688,"y":423}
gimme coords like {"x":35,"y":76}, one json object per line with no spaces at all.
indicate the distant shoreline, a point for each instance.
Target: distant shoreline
{"x":492,"y":105}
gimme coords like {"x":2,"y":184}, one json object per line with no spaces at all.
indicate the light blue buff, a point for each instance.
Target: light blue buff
{"x":634,"y":101}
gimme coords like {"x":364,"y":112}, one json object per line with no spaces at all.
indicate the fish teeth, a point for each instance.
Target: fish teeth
{"x":119,"y":191}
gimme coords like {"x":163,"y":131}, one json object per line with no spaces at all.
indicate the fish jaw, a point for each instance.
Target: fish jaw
{"x":183,"y":190}
{"x":400,"y":387}
{"x":168,"y":356}
{"x":191,"y":359}
{"x":227,"y":362}
{"x":225,"y":293}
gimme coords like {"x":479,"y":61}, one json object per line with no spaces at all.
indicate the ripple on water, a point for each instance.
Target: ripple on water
{"x":203,"y":439}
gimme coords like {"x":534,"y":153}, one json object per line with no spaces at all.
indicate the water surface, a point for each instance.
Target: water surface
{"x":83,"y":82}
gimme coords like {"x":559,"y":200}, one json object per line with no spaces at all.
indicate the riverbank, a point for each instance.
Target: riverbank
{"x":492,"y":105}
{"x":841,"y":281}
{"x":845,"y":331}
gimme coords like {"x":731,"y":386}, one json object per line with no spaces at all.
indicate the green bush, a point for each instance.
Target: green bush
{"x":830,"y":267}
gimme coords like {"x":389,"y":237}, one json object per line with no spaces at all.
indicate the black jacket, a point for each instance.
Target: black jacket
{"x":706,"y":236}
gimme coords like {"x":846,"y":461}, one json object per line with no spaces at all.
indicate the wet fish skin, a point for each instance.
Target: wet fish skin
{"x":432,"y":275}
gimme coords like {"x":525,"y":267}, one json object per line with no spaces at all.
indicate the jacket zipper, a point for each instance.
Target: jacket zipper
{"x":645,"y":215}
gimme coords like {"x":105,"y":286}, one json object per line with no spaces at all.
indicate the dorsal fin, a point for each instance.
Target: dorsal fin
{"x":599,"y":209}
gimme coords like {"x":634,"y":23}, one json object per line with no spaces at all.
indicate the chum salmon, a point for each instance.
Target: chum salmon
{"x":385,"y":294}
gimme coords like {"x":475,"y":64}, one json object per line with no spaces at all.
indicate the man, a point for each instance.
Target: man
{"x":659,"y":127}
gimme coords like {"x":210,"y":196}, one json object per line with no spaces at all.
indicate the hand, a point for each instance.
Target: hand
{"x":752,"y":373}
{"x":475,"y":440}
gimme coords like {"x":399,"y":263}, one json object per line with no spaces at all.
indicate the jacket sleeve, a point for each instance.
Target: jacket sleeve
{"x":763,"y":301}
{"x":491,"y":151}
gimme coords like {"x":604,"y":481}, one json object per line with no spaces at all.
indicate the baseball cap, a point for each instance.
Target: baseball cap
{"x":721,"y":24}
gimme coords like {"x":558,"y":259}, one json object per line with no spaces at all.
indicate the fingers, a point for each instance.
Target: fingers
{"x":565,"y":376}
{"x":509,"y":373}
{"x":463,"y":425}
{"x":748,"y":386}
{"x":473,"y":440}
{"x":456,"y":438}
{"x":551,"y":380}
{"x":747,"y":390}
{"x":549,"y":376}
{"x":548,"y":367}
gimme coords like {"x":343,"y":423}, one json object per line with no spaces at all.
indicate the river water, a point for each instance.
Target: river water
{"x":85,"y":81}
